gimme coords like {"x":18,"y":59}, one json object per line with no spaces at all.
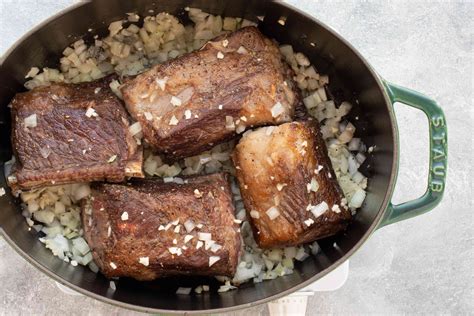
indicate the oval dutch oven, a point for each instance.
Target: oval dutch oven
{"x":351,"y":78}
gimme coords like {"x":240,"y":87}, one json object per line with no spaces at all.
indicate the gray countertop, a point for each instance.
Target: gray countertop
{"x":423,"y":265}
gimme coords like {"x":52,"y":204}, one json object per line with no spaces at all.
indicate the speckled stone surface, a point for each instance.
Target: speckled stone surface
{"x":424,"y":265}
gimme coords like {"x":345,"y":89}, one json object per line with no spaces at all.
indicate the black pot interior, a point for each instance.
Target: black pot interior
{"x":350,"y":79}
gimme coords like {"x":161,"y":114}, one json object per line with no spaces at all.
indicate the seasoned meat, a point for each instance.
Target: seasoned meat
{"x":288,"y":186}
{"x":141,"y":230}
{"x":81,"y":134}
{"x":195,"y":101}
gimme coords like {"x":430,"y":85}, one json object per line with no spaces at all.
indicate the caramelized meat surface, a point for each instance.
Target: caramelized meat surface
{"x":288,"y":186}
{"x":200,"y":99}
{"x":149,"y":229}
{"x":67,"y":133}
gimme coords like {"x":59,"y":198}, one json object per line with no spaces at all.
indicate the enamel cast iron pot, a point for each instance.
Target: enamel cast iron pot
{"x":351,"y":78}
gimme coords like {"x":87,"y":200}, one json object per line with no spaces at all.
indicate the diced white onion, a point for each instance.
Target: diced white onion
{"x":229,"y":123}
{"x":319,"y":209}
{"x":175,"y":101}
{"x":242,"y":50}
{"x":82,"y":191}
{"x":90,"y":112}
{"x":272,"y":212}
{"x":183,"y":290}
{"x":124,"y":216}
{"x":188,"y":238}
{"x":148,"y":116}
{"x":189,"y":225}
{"x":81,"y":245}
{"x":204,"y":236}
{"x":354,"y":144}
{"x":254,"y":214}
{"x":314,"y":185}
{"x":135,"y":128}
{"x":31,"y":121}
{"x":213,"y":259}
{"x":162,"y":83}
{"x":277,"y":109}
{"x":301,"y":255}
{"x":144,"y":260}
{"x":173,"y":120}
{"x":357,"y":199}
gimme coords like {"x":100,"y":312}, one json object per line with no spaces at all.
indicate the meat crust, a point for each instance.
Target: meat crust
{"x":67,"y":146}
{"x":275,"y":168}
{"x":182,"y":104}
{"x":148,"y":231}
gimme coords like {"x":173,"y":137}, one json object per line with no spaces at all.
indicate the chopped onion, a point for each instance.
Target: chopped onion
{"x":319,"y":209}
{"x":322,"y":94}
{"x":189,"y":225}
{"x":272,"y":212}
{"x":357,"y":199}
{"x":254,"y":214}
{"x":148,"y":116}
{"x":277,"y":109}
{"x":135,"y":128}
{"x":242,"y":50}
{"x":183,"y":290}
{"x":204,"y":236}
{"x":112,"y":158}
{"x":199,"y":244}
{"x":309,"y":222}
{"x":357,"y":177}
{"x":31,"y":121}
{"x":348,"y":133}
{"x":124,"y":216}
{"x":112,"y":285}
{"x":229,"y":123}
{"x":360,"y":157}
{"x":215,"y":247}
{"x":90,"y":112}
{"x":188,"y":238}
{"x":33,"y":72}
{"x":162,"y":83}
{"x":213,"y":259}
{"x":220,"y":55}
{"x":115,"y":27}
{"x":290,"y":252}
{"x":175,"y":101}
{"x":144,"y":260}
{"x":301,"y":255}
{"x":81,"y":245}
{"x":301,"y":59}
{"x":354,"y":144}
{"x":173,"y":120}
{"x":82,"y":191}
{"x":314,"y":185}
{"x":353,"y":164}
{"x":174,"y":250}
{"x":315,"y":248}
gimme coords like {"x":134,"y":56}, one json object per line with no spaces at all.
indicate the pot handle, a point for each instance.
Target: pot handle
{"x":438,"y":156}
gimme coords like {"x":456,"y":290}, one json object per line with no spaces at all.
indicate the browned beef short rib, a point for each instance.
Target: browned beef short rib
{"x":288,"y":186}
{"x":67,"y":145}
{"x":141,"y":229}
{"x":205,"y":97}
